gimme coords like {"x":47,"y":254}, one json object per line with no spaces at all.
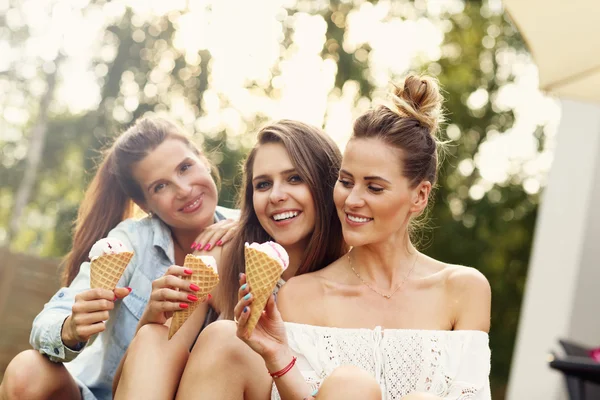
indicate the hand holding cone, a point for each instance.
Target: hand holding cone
{"x":205,"y":277}
{"x":263,"y":270}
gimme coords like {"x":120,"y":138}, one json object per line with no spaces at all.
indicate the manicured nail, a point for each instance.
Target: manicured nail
{"x":209,"y":297}
{"x":130,"y":289}
{"x":198,"y":246}
{"x":247,"y":297}
{"x":207,"y":247}
{"x":219,"y":242}
{"x":188,"y":271}
{"x":244,"y":286}
{"x":191,"y":297}
{"x":193,"y":246}
{"x":314,"y":393}
{"x":246,"y":309}
{"x":183,"y":305}
{"x":240,"y":275}
{"x":195,"y":288}
{"x":115,"y":299}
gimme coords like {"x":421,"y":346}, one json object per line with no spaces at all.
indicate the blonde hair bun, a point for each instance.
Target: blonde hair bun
{"x":419,"y":98}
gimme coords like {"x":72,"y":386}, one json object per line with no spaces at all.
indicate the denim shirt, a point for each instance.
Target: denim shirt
{"x":94,"y":366}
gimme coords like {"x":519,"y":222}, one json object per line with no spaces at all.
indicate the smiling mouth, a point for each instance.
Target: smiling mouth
{"x":358,"y":219}
{"x":285,"y":216}
{"x":192,"y":205}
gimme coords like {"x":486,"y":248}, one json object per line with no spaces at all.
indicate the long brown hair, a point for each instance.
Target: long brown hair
{"x":317,"y":160}
{"x":111,"y":194}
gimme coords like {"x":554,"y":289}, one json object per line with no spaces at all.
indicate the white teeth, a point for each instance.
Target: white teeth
{"x":285,"y":215}
{"x":194,"y":204}
{"x":357,"y":219}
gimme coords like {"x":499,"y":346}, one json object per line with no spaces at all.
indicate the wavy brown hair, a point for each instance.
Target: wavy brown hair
{"x":111,"y":194}
{"x":317,"y":159}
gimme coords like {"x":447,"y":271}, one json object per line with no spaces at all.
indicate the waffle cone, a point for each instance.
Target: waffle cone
{"x":106,"y":270}
{"x":262,"y":273}
{"x":205,"y":278}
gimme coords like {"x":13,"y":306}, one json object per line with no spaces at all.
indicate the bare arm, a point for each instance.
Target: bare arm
{"x":471,"y":295}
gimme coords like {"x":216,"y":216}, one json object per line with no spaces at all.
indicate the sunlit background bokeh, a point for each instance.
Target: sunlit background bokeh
{"x":73,"y":73}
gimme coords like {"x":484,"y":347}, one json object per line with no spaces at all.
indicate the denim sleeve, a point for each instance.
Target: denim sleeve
{"x":47,"y":326}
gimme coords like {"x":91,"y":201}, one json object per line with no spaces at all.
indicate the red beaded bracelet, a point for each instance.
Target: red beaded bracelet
{"x":283,"y":371}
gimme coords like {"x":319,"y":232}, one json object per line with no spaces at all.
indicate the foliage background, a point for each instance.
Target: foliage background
{"x":153,"y":59}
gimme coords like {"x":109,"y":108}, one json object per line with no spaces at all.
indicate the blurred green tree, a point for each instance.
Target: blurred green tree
{"x":145,"y":71}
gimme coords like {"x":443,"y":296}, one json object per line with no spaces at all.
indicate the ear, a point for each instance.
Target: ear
{"x":420,"y":197}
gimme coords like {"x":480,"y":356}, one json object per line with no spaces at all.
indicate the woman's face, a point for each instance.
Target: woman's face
{"x":373,"y":198}
{"x":282,"y":200}
{"x":177,"y":186}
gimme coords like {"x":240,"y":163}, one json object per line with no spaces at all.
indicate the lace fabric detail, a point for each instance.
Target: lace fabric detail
{"x":449,"y":364}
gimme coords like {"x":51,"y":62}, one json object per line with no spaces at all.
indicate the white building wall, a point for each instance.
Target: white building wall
{"x":562,"y":293}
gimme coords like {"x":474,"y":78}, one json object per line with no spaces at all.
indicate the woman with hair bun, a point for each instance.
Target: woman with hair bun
{"x":384,"y":321}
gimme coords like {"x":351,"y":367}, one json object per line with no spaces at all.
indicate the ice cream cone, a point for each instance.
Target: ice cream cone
{"x":106,"y":270}
{"x":203,"y":276}
{"x":262,"y":273}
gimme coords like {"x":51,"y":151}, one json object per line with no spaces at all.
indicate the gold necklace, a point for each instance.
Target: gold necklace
{"x":387,"y":296}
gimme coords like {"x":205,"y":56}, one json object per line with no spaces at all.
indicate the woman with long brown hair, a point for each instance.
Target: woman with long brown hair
{"x":156,"y":166}
{"x":286,"y":197}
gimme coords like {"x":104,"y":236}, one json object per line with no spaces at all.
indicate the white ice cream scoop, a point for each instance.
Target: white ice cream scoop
{"x":106,"y":246}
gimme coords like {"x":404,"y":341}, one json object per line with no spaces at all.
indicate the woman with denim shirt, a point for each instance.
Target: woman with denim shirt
{"x":154,"y":165}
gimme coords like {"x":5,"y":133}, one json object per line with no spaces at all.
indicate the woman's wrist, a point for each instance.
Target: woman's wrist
{"x":279,"y":359}
{"x":65,"y":334}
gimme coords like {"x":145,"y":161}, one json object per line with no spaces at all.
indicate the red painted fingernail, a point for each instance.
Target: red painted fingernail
{"x":188,"y":271}
{"x":198,"y":246}
{"x":128,"y":288}
{"x":209,"y":296}
{"x":193,"y":246}
{"x":115,"y":299}
{"x":191,"y":297}
{"x":195,"y":288}
{"x":183,"y":305}
{"x":207,"y":247}
{"x":219,"y":243}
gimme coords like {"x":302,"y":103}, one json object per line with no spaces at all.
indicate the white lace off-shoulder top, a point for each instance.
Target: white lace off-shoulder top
{"x":450,"y":364}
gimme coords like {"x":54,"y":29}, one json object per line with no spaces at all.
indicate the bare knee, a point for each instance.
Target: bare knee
{"x":149,"y":335}
{"x":30,"y":375}
{"x":218,"y":342}
{"x":349,"y":382}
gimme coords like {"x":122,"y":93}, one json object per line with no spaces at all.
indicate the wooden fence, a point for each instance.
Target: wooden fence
{"x":26,"y":284}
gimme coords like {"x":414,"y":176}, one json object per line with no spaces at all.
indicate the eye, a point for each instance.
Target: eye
{"x":345,"y":183}
{"x":295,"y":179}
{"x":185,"y":167}
{"x":159,"y":187}
{"x":263,"y":185}
{"x":375,"y":189}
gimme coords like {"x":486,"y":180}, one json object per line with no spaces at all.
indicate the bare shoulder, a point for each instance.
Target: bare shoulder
{"x":470,"y":292}
{"x":297,"y":300}
{"x":460,"y":279}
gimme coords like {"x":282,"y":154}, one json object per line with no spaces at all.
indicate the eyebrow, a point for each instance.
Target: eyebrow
{"x":187,"y":159}
{"x":264,"y":176}
{"x":367,"y":178}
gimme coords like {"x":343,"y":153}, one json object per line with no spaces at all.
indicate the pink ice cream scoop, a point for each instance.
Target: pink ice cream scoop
{"x":106,"y":246}
{"x":273,"y":250}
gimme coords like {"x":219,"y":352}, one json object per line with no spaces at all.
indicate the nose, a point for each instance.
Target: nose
{"x":277,"y":194}
{"x":355,"y":199}
{"x":183,"y":188}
